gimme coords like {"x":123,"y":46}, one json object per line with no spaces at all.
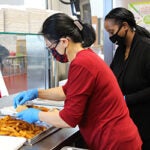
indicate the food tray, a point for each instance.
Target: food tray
{"x":41,"y":136}
{"x":44,"y":102}
{"x":50,"y":130}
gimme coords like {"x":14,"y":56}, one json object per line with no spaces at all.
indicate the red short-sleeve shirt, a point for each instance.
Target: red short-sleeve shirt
{"x":94,"y":102}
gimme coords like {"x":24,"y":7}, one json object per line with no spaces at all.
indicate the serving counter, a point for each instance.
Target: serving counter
{"x":54,"y":141}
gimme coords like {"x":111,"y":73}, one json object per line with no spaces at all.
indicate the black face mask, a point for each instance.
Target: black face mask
{"x":118,"y":39}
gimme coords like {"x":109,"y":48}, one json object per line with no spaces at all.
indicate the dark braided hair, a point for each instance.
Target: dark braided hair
{"x":120,"y":15}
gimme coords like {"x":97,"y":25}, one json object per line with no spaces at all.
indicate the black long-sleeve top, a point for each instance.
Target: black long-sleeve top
{"x":133,"y":76}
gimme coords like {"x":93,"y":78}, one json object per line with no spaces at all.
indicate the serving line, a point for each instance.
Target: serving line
{"x":54,"y":140}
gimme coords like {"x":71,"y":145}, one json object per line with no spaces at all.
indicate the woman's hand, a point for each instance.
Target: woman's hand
{"x":30,"y":115}
{"x":22,"y":97}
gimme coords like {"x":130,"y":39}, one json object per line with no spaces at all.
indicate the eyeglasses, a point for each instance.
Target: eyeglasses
{"x":53,"y":45}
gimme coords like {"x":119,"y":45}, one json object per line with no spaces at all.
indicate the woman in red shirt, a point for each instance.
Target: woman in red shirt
{"x":93,"y":99}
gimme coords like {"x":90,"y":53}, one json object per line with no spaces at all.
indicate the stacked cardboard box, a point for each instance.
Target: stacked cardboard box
{"x":1,"y":20}
{"x":15,"y":20}
{"x":23,"y":20}
{"x":36,"y":17}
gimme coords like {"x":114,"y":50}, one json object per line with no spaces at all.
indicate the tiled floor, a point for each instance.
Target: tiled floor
{"x":16,"y":83}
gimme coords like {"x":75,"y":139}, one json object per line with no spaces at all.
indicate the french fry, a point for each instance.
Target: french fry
{"x":19,"y":128}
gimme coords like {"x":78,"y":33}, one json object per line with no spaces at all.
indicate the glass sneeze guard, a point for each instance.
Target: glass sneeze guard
{"x":23,"y":61}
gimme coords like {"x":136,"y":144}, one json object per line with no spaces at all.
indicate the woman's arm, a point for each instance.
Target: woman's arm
{"x":53,"y":118}
{"x":56,"y":93}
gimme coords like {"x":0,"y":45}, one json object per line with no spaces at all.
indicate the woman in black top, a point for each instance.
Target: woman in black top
{"x":131,"y":66}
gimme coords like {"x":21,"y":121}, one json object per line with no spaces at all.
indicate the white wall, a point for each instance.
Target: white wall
{"x":97,"y":8}
{"x":57,"y":5}
{"x":12,"y":2}
{"x":41,"y":4}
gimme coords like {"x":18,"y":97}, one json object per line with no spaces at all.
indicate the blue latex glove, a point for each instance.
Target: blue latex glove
{"x":22,"y":97}
{"x":30,"y":115}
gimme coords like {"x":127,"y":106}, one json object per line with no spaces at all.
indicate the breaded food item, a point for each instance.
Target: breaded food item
{"x":40,"y":108}
{"x":23,"y":107}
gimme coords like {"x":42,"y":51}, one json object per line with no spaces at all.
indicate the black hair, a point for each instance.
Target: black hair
{"x":61,"y":25}
{"x":120,"y":15}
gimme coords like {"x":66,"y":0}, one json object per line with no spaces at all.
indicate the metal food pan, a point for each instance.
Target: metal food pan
{"x":49,"y":130}
{"x":42,"y":135}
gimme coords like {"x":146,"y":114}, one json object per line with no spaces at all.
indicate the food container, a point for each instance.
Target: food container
{"x":49,"y":129}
